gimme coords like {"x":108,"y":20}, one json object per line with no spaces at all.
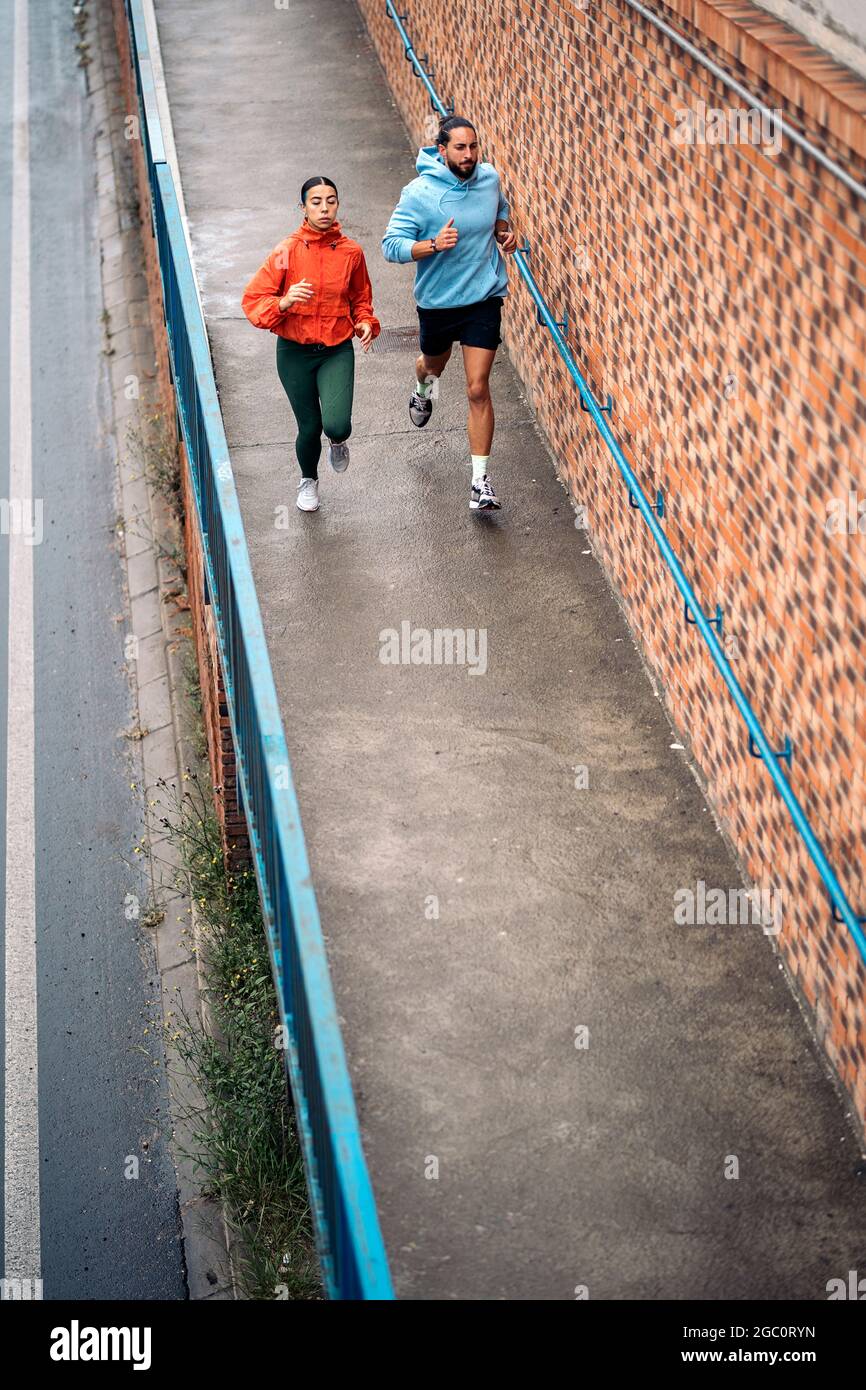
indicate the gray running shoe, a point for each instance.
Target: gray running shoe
{"x":420,"y":409}
{"x":338,"y":457}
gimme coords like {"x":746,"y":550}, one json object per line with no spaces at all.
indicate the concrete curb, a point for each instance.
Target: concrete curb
{"x":165,"y":122}
{"x":156,"y":638}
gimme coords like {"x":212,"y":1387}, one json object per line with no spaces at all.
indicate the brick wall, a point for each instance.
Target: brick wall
{"x":717,"y":292}
{"x":221,"y":754}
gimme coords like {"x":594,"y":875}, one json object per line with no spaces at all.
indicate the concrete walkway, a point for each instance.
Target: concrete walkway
{"x":558,"y":1166}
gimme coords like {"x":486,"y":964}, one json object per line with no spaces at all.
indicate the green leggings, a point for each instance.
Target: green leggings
{"x":320,"y":385}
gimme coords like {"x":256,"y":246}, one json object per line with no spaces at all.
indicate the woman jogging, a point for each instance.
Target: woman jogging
{"x":314,"y":293}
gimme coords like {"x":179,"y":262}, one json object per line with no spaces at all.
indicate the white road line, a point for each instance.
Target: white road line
{"x":21,"y":1194}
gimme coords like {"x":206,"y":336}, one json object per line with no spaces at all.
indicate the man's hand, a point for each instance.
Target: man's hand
{"x":298,"y":293}
{"x":365,"y":332}
{"x":445,"y":239}
{"x":507,"y":240}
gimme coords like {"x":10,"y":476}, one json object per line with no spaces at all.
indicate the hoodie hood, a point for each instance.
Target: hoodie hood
{"x":311,"y":236}
{"x":431,"y":165}
{"x":430,"y":162}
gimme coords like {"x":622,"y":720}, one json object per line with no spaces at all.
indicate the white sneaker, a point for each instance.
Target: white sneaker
{"x":308,"y":495}
{"x":482,"y":498}
{"x":338,"y":457}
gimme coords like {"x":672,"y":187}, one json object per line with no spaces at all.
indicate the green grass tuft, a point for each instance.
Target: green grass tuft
{"x":245,"y":1144}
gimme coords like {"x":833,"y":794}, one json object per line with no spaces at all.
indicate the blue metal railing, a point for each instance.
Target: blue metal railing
{"x":758,"y":745}
{"x":351,"y":1250}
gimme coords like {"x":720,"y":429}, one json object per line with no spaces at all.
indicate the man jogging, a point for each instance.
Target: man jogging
{"x":453,"y":219}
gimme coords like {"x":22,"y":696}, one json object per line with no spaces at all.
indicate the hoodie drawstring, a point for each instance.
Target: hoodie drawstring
{"x":461,"y":189}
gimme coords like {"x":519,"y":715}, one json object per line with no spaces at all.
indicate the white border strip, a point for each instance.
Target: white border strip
{"x":22,"y":1241}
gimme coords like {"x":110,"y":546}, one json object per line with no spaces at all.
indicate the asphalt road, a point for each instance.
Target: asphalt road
{"x":88,"y":1082}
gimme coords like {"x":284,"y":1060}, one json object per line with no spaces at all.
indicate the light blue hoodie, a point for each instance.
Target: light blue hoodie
{"x":474,"y":269}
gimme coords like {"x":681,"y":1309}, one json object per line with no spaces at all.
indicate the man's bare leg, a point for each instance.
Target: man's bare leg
{"x":431,"y":366}
{"x":478,"y":363}
{"x":427,"y":373}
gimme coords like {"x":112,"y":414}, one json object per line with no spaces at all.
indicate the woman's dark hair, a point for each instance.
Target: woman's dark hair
{"x":452,"y":123}
{"x":311,"y":183}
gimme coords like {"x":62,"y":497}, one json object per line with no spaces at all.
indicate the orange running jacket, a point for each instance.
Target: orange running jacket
{"x":342,"y":293}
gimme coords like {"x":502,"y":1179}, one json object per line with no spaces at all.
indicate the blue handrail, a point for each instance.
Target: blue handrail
{"x":842,"y":909}
{"x":352,"y":1254}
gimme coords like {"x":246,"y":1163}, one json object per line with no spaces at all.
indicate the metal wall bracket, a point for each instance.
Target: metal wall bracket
{"x":783,"y":756}
{"x":608,"y":407}
{"x":658,"y":506}
{"x":837,"y":916}
{"x":717,"y":620}
{"x":560,"y":323}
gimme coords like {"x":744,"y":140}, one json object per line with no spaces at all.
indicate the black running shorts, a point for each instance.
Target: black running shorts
{"x":473,"y":325}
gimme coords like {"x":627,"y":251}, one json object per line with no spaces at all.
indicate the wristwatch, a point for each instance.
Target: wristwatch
{"x":433,"y":244}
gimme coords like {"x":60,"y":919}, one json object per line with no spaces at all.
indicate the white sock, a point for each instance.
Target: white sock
{"x":479,"y":466}
{"x":425,"y":388}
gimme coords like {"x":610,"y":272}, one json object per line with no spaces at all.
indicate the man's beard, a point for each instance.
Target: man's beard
{"x":461,"y":173}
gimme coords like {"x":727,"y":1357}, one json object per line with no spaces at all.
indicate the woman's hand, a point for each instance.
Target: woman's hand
{"x":296,"y":294}
{"x":365,"y":332}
